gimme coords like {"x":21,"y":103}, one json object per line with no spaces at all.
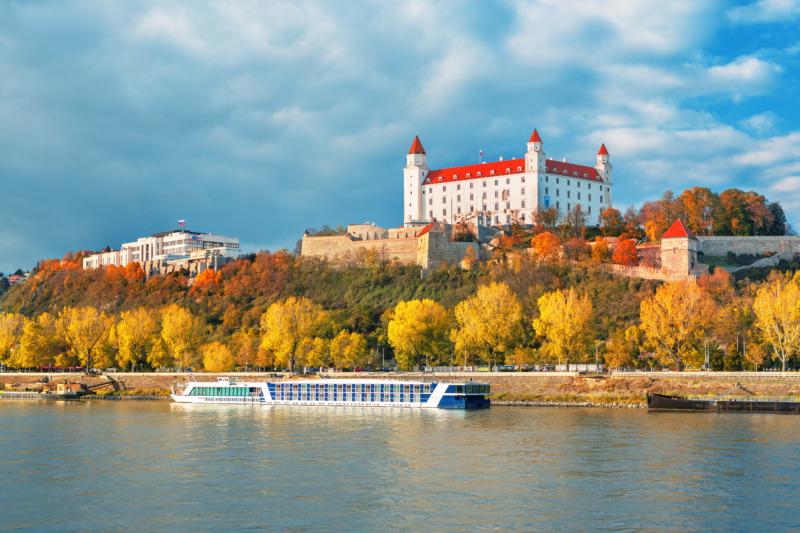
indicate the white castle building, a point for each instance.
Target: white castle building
{"x":169,"y":250}
{"x":499,"y":192}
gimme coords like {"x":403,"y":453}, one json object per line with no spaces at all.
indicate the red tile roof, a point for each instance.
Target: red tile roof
{"x":677,"y":231}
{"x":480,"y":170}
{"x":426,"y":229}
{"x":511,"y":166}
{"x":535,"y":137}
{"x":602,"y":150}
{"x":416,"y":146}
{"x":573,"y":170}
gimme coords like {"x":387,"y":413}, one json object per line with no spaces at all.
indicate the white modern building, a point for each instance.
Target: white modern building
{"x":500,"y":192}
{"x":176,"y":247}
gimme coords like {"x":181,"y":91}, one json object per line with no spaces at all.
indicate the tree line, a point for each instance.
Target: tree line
{"x":681,"y":324}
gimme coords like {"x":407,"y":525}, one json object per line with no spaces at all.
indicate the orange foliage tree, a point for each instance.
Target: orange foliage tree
{"x":625,"y":253}
{"x":546,"y":245}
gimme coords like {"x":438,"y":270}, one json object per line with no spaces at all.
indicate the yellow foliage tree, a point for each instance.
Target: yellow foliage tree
{"x":564,"y":324}
{"x":488,"y":324}
{"x":675,"y":320}
{"x":348,"y":350}
{"x":777,"y":310}
{"x":135,"y":334}
{"x":622,"y":347}
{"x":417,"y":332}
{"x":245,"y":347}
{"x":286,"y":324}
{"x":600,"y":251}
{"x":181,"y":332}
{"x":315,"y":352}
{"x":11,"y":327}
{"x":83,"y":329}
{"x":217,"y":357}
{"x":39,"y":345}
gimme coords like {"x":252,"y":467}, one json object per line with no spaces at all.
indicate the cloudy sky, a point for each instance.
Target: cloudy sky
{"x":260,"y":119}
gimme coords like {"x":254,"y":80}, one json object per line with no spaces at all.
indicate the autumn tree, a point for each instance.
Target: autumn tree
{"x":135,"y":334}
{"x":675,"y":320}
{"x":40,"y":343}
{"x":11,"y":327}
{"x":658,"y":215}
{"x":699,"y":205}
{"x":417,"y":332}
{"x":545,"y":219}
{"x":625,"y":253}
{"x":182,"y":333}
{"x":489,"y":323}
{"x":348,"y":350}
{"x":631,"y":223}
{"x":217,"y":357}
{"x":623,"y":347}
{"x":83,"y":329}
{"x":777,"y":310}
{"x":610,"y":222}
{"x":546,"y":245}
{"x":600,"y":251}
{"x":564,"y":324}
{"x":245,"y":344}
{"x":575,"y":223}
{"x":286,"y":324}
{"x":315,"y":352}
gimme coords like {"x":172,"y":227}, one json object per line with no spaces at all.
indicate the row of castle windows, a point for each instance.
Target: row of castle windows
{"x":508,"y":207}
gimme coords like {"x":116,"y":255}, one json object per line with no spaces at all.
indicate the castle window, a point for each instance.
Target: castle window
{"x":523,"y":206}
{"x":522,"y":179}
{"x":569,"y":183}
{"x":444,"y":212}
{"x":455,"y":176}
{"x":458,"y":187}
{"x":586,"y":175}
{"x":496,"y":206}
{"x":430,"y":214}
{"x":558,"y":191}
{"x":496,"y":194}
{"x":547,"y":190}
{"x":444,"y":199}
{"x":575,"y":174}
{"x":491,"y":172}
{"x":565,"y":172}
{"x":508,"y":181}
{"x":579,"y":196}
{"x":579,"y":184}
{"x":430,"y":201}
{"x":590,"y":197}
{"x":440,"y":178}
{"x":519,"y":169}
{"x":558,"y":206}
{"x":459,"y":210}
{"x":479,"y":174}
{"x":468,"y":175}
{"x":471,"y":196}
{"x":590,"y":186}
{"x":508,"y":171}
{"x":458,"y":198}
{"x":484,"y":194}
{"x":523,"y":190}
{"x":547,"y":179}
{"x":522,"y":216}
{"x":444,"y":188}
{"x":601,"y":198}
{"x":556,"y":181}
{"x":508,"y":205}
{"x":483,"y":183}
{"x":568,"y":193}
{"x":590,"y":210}
{"x":495,"y":183}
{"x":569,"y":206}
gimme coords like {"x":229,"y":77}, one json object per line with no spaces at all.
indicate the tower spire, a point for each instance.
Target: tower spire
{"x":416,"y":146}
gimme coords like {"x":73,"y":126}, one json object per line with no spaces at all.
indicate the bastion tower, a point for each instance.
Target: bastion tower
{"x":414,"y":173}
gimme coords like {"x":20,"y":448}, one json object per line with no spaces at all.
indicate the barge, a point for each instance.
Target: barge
{"x":663,"y":402}
{"x":340,"y":392}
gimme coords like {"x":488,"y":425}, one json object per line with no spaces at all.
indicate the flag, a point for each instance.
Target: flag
{"x":181,"y":223}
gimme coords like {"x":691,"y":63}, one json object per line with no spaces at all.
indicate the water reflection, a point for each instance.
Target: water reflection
{"x":126,"y":465}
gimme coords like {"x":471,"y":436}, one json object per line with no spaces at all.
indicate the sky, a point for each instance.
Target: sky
{"x":260,"y":119}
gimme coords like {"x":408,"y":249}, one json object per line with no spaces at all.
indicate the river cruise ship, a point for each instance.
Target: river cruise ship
{"x":361,"y":392}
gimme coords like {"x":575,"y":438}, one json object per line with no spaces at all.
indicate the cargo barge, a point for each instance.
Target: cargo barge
{"x":663,"y":402}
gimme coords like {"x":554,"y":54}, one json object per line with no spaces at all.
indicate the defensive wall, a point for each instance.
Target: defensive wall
{"x":720,"y":246}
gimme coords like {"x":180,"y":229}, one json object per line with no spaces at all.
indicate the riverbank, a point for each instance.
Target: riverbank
{"x":623,"y":390}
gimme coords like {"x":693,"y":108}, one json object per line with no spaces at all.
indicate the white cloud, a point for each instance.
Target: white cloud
{"x":760,"y":123}
{"x":765,"y":11}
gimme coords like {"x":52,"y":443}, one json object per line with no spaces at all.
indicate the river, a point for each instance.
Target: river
{"x":137,"y":466}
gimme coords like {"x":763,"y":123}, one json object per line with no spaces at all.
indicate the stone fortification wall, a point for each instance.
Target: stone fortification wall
{"x":435,"y":249}
{"x":720,"y":246}
{"x":340,"y":248}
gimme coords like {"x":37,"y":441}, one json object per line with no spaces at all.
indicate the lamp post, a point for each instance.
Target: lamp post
{"x":596,"y":346}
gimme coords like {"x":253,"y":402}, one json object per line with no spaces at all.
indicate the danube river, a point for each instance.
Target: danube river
{"x":138,"y":466}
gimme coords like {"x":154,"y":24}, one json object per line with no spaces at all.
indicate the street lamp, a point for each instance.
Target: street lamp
{"x":596,"y":346}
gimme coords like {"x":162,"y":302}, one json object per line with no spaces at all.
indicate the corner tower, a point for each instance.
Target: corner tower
{"x":413,"y":175}
{"x":604,"y":168}
{"x":535,"y":164}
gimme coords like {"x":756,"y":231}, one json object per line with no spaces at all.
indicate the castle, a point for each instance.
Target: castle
{"x":501,"y":192}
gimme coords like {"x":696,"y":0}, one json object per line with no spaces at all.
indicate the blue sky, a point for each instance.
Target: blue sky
{"x":260,"y":119}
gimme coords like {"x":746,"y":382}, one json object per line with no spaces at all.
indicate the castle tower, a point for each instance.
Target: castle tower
{"x":679,"y":251}
{"x":413,"y":175}
{"x":604,"y":168}
{"x":535,"y":163}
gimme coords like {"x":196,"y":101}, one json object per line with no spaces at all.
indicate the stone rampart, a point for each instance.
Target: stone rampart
{"x":720,"y":246}
{"x":341,"y":248}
